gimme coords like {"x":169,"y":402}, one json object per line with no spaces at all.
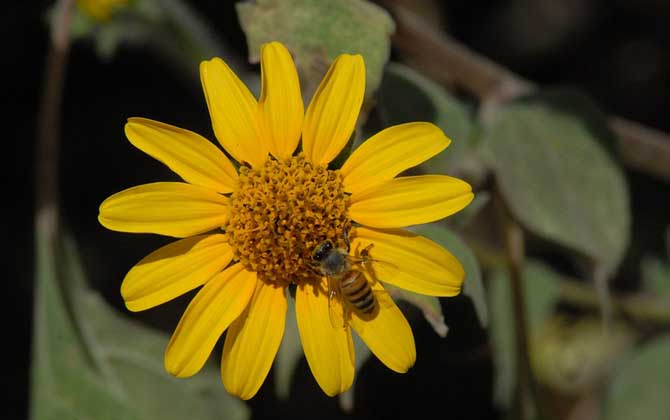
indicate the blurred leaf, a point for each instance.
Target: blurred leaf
{"x":541,"y":291}
{"x":108,"y":38}
{"x":64,"y":382}
{"x":641,"y":386}
{"x":316,"y":32}
{"x":464,"y":217}
{"x":289,"y":353}
{"x":549,"y":154}
{"x":574,"y":356}
{"x":473,"y":286}
{"x":407,"y":96}
{"x":81,"y":25}
{"x":656,"y":277}
{"x":429,"y":305}
{"x":94,"y":363}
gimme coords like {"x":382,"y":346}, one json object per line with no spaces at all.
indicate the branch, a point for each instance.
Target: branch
{"x":513,"y":238}
{"x":48,"y":130}
{"x":449,"y":62}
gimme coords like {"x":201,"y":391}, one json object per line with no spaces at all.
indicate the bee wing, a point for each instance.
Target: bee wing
{"x":368,"y":261}
{"x":383,"y":301}
{"x":336,"y":312}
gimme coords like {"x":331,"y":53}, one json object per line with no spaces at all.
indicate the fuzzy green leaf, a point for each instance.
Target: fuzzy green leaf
{"x":91,"y":362}
{"x":429,"y":306}
{"x":574,"y":356}
{"x":549,"y":154}
{"x":656,"y":277}
{"x":541,"y":294}
{"x":473,"y":286}
{"x":317,"y":31}
{"x":641,"y":386}
{"x":407,"y":96}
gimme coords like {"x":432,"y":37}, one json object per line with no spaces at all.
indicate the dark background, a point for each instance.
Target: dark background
{"x":617,"y":51}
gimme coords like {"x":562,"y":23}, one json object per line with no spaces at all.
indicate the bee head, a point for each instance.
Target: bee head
{"x":322,"y":250}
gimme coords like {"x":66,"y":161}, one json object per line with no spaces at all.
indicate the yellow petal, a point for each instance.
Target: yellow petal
{"x":388,"y":334}
{"x":410,"y":261}
{"x":332,"y":113}
{"x":391,"y":151}
{"x":233,"y":110}
{"x":217,"y":304}
{"x":166,"y":208}
{"x":252,"y":341}
{"x":188,"y":154}
{"x":281,"y":107}
{"x":410,"y":201}
{"x":329,"y":351}
{"x":174,"y":269}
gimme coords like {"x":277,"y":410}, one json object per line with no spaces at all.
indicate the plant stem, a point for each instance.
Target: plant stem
{"x":449,"y":62}
{"x":515,"y":252}
{"x":48,"y":134}
{"x":638,"y":308}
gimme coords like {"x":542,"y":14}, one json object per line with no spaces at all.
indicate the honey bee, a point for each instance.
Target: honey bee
{"x":346,"y":279}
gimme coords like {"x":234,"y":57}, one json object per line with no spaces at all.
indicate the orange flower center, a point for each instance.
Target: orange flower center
{"x":281,"y":212}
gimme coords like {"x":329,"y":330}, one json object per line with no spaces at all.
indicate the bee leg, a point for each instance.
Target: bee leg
{"x":365,"y":252}
{"x":346,"y":239}
{"x":315,"y":269}
{"x":346,"y":312}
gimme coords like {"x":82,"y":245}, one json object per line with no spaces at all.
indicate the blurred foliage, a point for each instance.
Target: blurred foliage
{"x":316,"y":32}
{"x":406,"y":96}
{"x":540,"y":289}
{"x":169,"y":27}
{"x":91,"y":362}
{"x":472,"y":286}
{"x":641,"y":384}
{"x":573,"y":356}
{"x":656,"y":277}
{"x":549,"y":156}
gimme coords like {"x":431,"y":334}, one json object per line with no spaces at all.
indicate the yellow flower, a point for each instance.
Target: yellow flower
{"x":250,"y":233}
{"x":101,"y":10}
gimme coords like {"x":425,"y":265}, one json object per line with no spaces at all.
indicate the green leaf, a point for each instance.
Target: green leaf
{"x":549,"y":154}
{"x":429,"y":305}
{"x":81,"y":25}
{"x":407,"y":96}
{"x":65,"y":383}
{"x":108,"y":38}
{"x":641,"y":386}
{"x":290,"y":352}
{"x":93,"y":363}
{"x":574,"y":356}
{"x":473,"y":286}
{"x":465,"y":217}
{"x":541,"y":291}
{"x":656,"y":277}
{"x":316,"y":32}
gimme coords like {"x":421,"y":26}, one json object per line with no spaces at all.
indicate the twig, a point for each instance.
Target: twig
{"x":48,"y":135}
{"x":515,"y":253}
{"x":451,"y":63}
{"x":642,"y":148}
{"x":639,"y":308}
{"x":600,"y":279}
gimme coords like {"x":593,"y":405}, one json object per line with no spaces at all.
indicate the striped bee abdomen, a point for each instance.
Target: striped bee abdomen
{"x":357,"y":291}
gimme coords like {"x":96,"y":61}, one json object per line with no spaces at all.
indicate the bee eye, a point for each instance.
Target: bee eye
{"x":322,"y":250}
